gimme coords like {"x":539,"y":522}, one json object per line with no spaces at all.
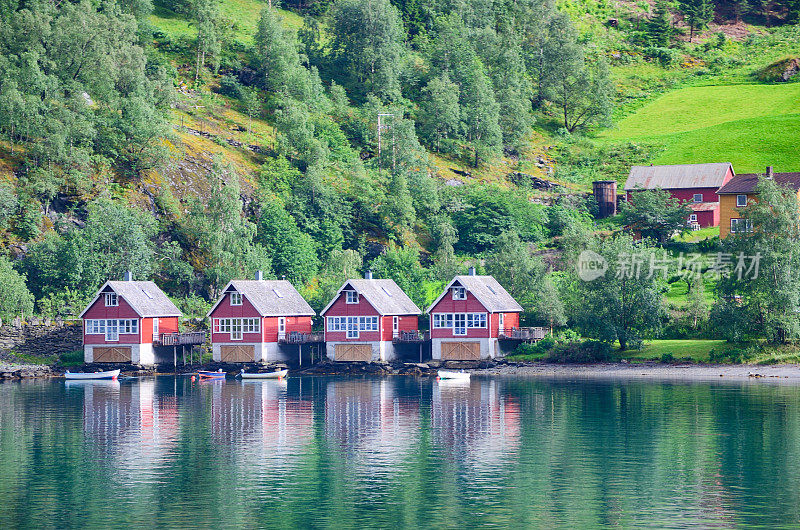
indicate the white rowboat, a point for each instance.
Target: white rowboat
{"x":83,"y":376}
{"x":446,"y":374}
{"x":265,"y":375}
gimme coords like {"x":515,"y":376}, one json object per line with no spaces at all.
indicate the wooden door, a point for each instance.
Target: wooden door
{"x":237,"y":353}
{"x":353,"y":352}
{"x":461,"y":351}
{"x":112,"y":354}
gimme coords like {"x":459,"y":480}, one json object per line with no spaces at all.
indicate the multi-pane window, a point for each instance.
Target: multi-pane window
{"x":698,"y":197}
{"x":739,"y":226}
{"x":236,"y":298}
{"x":156,"y":331}
{"x":237,"y":326}
{"x":352,"y":325}
{"x":352,"y":297}
{"x":459,"y":322}
{"x":459,"y":293}
{"x":111,"y":300}
{"x":741,"y":201}
{"x":112,"y":328}
{"x":693,"y":218}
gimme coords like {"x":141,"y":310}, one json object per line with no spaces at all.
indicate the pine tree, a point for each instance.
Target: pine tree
{"x":659,"y":28}
{"x":698,"y":14}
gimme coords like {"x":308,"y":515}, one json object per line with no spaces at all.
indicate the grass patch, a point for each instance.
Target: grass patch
{"x":698,"y":235}
{"x":751,"y":126}
{"x":73,"y":358}
{"x":24,"y":358}
{"x":693,"y":349}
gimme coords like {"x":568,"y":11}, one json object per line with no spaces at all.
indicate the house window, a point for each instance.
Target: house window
{"x":281,"y":325}
{"x":352,"y":297}
{"x":741,"y":201}
{"x":459,"y":293}
{"x":460,"y":324}
{"x":501,"y":321}
{"x":155,"y":329}
{"x":112,"y":331}
{"x":740,"y":226}
{"x":698,"y":197}
{"x":395,"y":325}
{"x":236,"y":298}
{"x":693,"y":218}
{"x":236,"y":329}
{"x":111,"y":300}
{"x":352,"y":325}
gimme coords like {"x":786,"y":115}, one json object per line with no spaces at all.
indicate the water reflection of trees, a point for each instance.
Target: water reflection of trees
{"x":383,"y":452}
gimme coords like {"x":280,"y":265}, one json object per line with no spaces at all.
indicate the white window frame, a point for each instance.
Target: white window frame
{"x":697,"y":197}
{"x":112,"y":300}
{"x":155,"y":329}
{"x":112,"y":330}
{"x":281,"y":326}
{"x":236,"y":329}
{"x":459,"y":293}
{"x":395,"y":326}
{"x":693,"y":218}
{"x":501,"y":322}
{"x":460,"y":324}
{"x":736,"y":221}
{"x":741,"y":204}
{"x":351,"y":297}
{"x":236,"y":298}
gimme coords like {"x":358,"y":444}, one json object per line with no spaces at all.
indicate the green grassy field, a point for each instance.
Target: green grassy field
{"x":694,"y":349}
{"x":751,"y":126}
{"x":243,"y":13}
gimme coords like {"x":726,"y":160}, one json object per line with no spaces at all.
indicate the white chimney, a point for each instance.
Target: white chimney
{"x":259,"y":275}
{"x":127,"y":277}
{"x":368,"y":275}
{"x":472,"y":271}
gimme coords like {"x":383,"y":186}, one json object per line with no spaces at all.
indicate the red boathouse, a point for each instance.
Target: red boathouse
{"x":124,"y":320}
{"x":253,"y":320}
{"x":364,"y":317}
{"x":469,"y":316}
{"x":694,"y":184}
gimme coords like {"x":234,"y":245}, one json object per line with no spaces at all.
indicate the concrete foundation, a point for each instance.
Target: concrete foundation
{"x":382,"y":350}
{"x":490,"y":349}
{"x":140,"y":353}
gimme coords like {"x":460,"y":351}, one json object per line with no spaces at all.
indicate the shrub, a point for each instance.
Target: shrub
{"x":590,"y":351}
{"x":665,"y":56}
{"x":229,"y":86}
{"x":667,"y":357}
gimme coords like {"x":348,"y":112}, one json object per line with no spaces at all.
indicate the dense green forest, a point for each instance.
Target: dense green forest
{"x":195,"y":141}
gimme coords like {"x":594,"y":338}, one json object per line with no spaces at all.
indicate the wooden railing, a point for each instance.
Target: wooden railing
{"x":535,"y":333}
{"x":295,"y":337}
{"x":192,"y":338}
{"x":411,"y":336}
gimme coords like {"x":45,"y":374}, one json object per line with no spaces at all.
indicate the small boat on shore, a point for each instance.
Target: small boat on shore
{"x":85,"y":376}
{"x":205,"y":374}
{"x":278,"y":374}
{"x":448,"y":374}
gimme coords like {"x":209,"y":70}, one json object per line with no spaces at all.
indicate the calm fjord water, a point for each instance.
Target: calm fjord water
{"x":399,"y":452}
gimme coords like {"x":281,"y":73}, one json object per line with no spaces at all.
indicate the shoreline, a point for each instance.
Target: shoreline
{"x":646,"y":370}
{"x":650,"y":371}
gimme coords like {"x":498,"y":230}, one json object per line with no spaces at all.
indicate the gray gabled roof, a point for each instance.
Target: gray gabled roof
{"x":384,"y":295}
{"x":487,"y":290}
{"x":678,"y":176}
{"x":144,"y":297}
{"x":271,"y":298}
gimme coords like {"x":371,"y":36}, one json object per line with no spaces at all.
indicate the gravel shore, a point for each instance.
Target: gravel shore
{"x":686,"y":372}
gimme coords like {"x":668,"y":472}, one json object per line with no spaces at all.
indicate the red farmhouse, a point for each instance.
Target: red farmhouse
{"x":124,"y":320}
{"x":695,"y":184}
{"x":253,"y":318}
{"x":469,"y":316}
{"x":364,"y":316}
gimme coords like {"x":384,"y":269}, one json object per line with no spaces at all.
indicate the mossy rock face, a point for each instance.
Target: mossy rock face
{"x":783,"y":70}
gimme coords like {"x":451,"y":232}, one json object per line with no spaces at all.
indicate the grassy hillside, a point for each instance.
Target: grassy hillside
{"x":751,"y":126}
